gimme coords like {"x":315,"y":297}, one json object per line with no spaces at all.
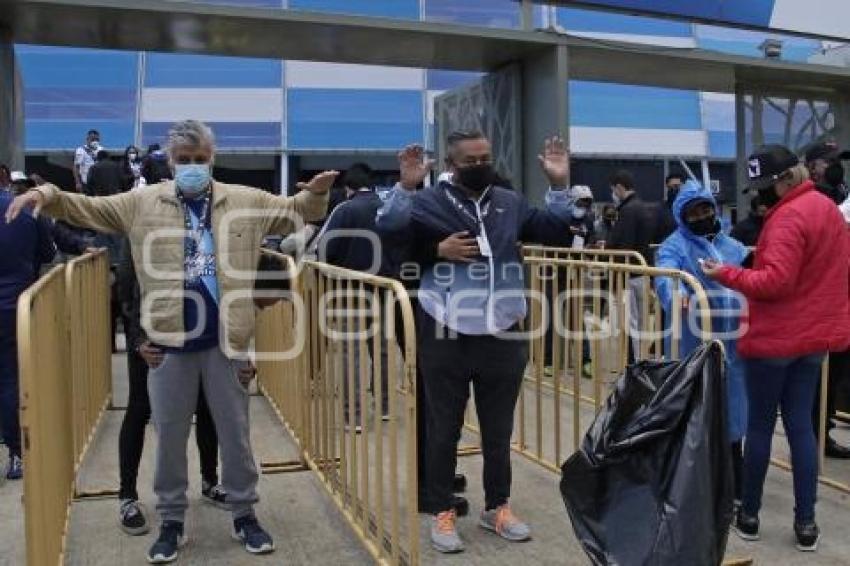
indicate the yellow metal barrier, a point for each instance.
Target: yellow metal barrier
{"x":584,"y":320}
{"x":359,"y":347}
{"x":62,"y":318}
{"x":48,"y":440}
{"x":89,"y":344}
{"x":627,"y":257}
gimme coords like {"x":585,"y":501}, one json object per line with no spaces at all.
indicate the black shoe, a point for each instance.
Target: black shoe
{"x":165,"y":549}
{"x":459,"y":485}
{"x":459,"y":504}
{"x":132,"y":518}
{"x":746,"y":527}
{"x":214,"y":495}
{"x":836,"y":450}
{"x":808,"y":536}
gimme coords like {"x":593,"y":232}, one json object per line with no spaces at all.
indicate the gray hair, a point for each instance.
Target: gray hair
{"x":192,"y":133}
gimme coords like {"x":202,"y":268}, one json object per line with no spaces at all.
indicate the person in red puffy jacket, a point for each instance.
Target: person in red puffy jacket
{"x":798,"y":293}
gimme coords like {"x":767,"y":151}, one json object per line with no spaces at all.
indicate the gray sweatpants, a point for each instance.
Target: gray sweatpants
{"x":173,"y":389}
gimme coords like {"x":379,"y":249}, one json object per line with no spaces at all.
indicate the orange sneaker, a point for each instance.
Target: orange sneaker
{"x":444,"y":537}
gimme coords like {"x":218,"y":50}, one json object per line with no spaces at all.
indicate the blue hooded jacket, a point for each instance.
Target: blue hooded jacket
{"x":681,"y":250}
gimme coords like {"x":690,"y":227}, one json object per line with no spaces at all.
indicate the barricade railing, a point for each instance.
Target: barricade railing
{"x":89,"y":342}
{"x":358,"y":351}
{"x":627,"y":257}
{"x":585,"y":321}
{"x":833,"y":473}
{"x":65,"y":383}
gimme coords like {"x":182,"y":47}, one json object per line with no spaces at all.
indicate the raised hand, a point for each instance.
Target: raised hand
{"x":555,"y":161}
{"x":320,"y":184}
{"x":29,"y":199}
{"x":414,"y":166}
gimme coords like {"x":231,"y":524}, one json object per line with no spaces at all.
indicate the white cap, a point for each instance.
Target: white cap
{"x":16,"y":176}
{"x":579,"y":192}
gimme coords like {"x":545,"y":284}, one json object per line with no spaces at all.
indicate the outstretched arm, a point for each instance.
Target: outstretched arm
{"x":283,"y":215}
{"x":113,"y":214}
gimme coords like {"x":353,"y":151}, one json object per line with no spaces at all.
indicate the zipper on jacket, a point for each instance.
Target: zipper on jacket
{"x":490,"y":262}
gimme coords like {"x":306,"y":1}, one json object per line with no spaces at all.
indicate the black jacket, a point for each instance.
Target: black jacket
{"x":666,"y":223}
{"x":837,"y":194}
{"x":106,"y":177}
{"x":130,"y":298}
{"x":360,"y":253}
{"x":69,"y":240}
{"x":635,"y":228}
{"x":747,"y":231}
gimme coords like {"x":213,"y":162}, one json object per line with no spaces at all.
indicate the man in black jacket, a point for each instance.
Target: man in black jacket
{"x":666,"y":222}
{"x":747,"y":231}
{"x":824,"y":163}
{"x":634,"y":230}
{"x":338,"y":244}
{"x":106,"y":176}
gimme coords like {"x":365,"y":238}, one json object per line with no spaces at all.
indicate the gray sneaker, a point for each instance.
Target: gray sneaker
{"x":444,"y":537}
{"x":505,"y":524}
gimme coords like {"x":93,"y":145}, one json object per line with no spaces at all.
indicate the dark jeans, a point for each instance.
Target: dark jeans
{"x":788,"y":384}
{"x":839,"y":373}
{"x":10,"y":423}
{"x":494,"y":366}
{"x":132,"y":438}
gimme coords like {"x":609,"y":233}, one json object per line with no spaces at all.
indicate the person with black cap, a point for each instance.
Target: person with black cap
{"x":823,"y":161}
{"x":797,"y":292}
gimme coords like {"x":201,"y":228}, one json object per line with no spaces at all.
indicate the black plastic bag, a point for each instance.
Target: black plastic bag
{"x":652,"y":483}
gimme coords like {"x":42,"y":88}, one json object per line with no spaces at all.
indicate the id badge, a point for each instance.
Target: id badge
{"x":484,"y":246}
{"x":578,"y":242}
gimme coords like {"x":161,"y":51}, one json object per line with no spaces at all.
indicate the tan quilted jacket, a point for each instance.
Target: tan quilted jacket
{"x":153,"y":219}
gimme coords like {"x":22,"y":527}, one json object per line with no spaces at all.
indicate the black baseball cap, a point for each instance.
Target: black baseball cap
{"x":767,"y":164}
{"x":827,"y":150}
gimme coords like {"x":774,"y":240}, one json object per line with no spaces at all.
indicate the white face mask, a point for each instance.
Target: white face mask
{"x":616,"y":197}
{"x":579,"y":213}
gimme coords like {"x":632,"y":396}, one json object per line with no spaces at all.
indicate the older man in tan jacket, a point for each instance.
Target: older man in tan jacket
{"x":195,"y":244}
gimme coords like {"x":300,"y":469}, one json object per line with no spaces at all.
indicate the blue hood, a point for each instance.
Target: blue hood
{"x":689,"y":192}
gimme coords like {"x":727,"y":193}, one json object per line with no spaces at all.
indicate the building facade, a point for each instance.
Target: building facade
{"x":277,"y":121}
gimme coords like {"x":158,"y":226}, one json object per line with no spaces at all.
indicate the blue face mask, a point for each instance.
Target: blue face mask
{"x":192,"y":178}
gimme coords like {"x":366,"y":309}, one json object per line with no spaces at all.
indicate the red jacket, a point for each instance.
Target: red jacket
{"x":799,"y":287}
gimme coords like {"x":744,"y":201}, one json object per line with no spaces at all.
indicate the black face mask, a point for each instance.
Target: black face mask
{"x":705,"y":227}
{"x":834,"y":174}
{"x":768,"y":196}
{"x":476,"y":178}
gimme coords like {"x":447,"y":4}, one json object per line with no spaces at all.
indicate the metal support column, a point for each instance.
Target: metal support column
{"x":545,"y":111}
{"x":11,"y":105}
{"x":742,"y":201}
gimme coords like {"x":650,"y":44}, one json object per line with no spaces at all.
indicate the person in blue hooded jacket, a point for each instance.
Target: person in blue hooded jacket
{"x":699,"y":237}
{"x":472,"y":298}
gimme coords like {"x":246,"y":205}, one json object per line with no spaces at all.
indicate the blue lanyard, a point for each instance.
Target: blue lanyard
{"x":196,"y":232}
